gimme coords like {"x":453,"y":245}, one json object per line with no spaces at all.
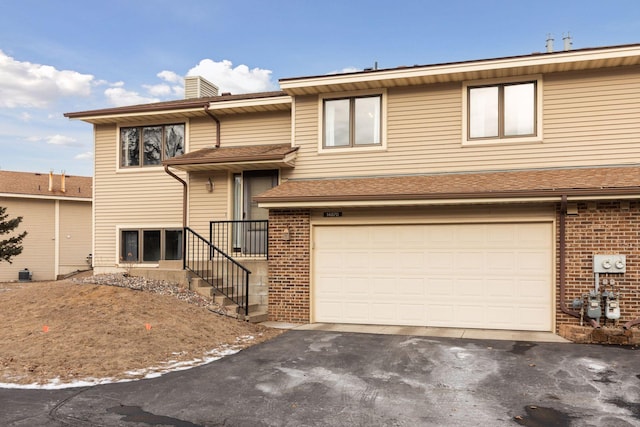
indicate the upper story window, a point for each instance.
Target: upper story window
{"x":503,"y":111}
{"x":150,"y":145}
{"x":352,"y":121}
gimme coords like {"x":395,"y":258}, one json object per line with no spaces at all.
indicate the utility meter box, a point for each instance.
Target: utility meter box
{"x":609,"y":263}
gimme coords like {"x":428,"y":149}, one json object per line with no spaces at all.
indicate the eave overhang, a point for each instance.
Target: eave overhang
{"x":268,"y":156}
{"x":540,"y":186}
{"x":538,"y":63}
{"x":183,"y":110}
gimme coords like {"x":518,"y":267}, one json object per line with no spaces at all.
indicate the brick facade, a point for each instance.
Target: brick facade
{"x":289,"y":265}
{"x":605,"y":227}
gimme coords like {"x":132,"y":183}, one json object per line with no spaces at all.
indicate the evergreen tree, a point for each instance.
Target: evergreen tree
{"x":12,"y":246}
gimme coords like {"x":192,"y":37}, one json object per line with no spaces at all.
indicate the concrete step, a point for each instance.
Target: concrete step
{"x":205,"y":291}
{"x":257,"y":317}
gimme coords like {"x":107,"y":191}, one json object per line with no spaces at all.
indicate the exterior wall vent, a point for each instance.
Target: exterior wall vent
{"x":198,"y":87}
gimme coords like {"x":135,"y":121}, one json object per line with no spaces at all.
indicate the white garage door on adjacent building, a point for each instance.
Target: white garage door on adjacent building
{"x":489,"y":275}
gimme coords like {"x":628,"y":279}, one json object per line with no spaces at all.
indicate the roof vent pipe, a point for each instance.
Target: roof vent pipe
{"x":568,"y":42}
{"x":51,"y":180}
{"x":63,"y":186}
{"x":549,"y":44}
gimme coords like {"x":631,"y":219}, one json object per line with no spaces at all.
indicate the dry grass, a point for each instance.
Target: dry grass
{"x":69,"y":331}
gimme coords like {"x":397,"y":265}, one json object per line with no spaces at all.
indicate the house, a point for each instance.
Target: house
{"x":56,"y":213}
{"x":494,"y":193}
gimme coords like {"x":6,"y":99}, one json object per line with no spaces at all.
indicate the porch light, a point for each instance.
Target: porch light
{"x":210,"y":185}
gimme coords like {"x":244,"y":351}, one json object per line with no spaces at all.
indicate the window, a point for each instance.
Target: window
{"x":150,"y":245}
{"x":150,"y":145}
{"x":351,"y":122}
{"x":502,"y":111}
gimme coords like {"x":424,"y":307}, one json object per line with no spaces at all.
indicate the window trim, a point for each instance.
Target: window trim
{"x":502,"y":140}
{"x":141,"y":229}
{"x":352,"y":95}
{"x":142,"y":167}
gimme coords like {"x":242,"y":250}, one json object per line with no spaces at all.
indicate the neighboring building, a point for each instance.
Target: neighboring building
{"x":56,"y":213}
{"x":471,"y":194}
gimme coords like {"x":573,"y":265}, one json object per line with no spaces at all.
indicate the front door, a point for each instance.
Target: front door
{"x":251,"y":237}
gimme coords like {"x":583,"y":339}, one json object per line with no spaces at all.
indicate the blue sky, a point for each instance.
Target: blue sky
{"x":70,"y":55}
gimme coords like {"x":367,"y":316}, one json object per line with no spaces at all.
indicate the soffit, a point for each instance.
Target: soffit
{"x":542,"y":63}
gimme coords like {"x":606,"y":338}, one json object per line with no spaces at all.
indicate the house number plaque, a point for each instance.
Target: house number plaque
{"x":332,"y":214}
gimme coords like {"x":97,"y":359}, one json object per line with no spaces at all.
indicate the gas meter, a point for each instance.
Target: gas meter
{"x":594,"y":311}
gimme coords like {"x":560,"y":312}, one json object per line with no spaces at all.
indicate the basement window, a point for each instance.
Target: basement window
{"x":150,"y":245}
{"x":150,"y":145}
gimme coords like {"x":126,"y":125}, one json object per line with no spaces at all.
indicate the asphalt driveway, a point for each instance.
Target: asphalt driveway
{"x":316,"y":378}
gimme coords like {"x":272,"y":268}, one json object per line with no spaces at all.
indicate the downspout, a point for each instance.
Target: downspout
{"x":184,"y":195}
{"x":215,"y":119}
{"x":563,"y":255}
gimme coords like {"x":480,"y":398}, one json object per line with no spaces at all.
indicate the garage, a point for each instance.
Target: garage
{"x":472,"y":275}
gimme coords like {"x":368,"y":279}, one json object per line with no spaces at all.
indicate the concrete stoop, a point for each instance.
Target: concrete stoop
{"x":176,"y":276}
{"x":223,"y":305}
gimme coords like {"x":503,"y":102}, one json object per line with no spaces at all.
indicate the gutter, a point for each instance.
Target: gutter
{"x":215,"y":119}
{"x":184,"y":195}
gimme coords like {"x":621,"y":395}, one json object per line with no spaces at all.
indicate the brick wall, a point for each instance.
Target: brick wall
{"x":610,"y":227}
{"x":289,"y":265}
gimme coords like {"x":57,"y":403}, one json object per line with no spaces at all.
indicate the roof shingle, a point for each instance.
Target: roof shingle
{"x":595,"y":181}
{"x":37,"y":184}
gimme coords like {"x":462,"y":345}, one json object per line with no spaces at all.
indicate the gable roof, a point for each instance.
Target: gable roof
{"x":36,"y":185}
{"x":478,"y":187}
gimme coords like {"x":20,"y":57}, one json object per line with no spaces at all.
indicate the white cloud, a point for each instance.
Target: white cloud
{"x":118,"y":96}
{"x":84,"y":156}
{"x":24,"y":84}
{"x":170,"y":76}
{"x":25,"y":117}
{"x":236,"y":80}
{"x":61,"y":140}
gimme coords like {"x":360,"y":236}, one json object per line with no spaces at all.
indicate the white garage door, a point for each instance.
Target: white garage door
{"x":494,"y":276}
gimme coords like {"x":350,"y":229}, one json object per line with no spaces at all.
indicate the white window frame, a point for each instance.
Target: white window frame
{"x":353,"y":94}
{"x":538,"y":137}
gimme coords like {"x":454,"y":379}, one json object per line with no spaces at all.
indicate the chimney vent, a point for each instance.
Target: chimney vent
{"x":198,"y":87}
{"x":51,"y":180}
{"x":63,"y":186}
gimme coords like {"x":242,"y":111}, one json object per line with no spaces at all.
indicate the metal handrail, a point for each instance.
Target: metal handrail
{"x":215,"y":267}
{"x":246,"y":238}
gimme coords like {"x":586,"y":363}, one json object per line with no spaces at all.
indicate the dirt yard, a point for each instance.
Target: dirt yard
{"x":68,"y":332}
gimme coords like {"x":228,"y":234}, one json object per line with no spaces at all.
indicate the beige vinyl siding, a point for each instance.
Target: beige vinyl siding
{"x":241,"y":129}
{"x":256,"y":129}
{"x":202,"y":133}
{"x":135,"y":197}
{"x":38,"y":253}
{"x":588,"y":119}
{"x":205,"y":206}
{"x":75,"y":236}
{"x":594,"y":118}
